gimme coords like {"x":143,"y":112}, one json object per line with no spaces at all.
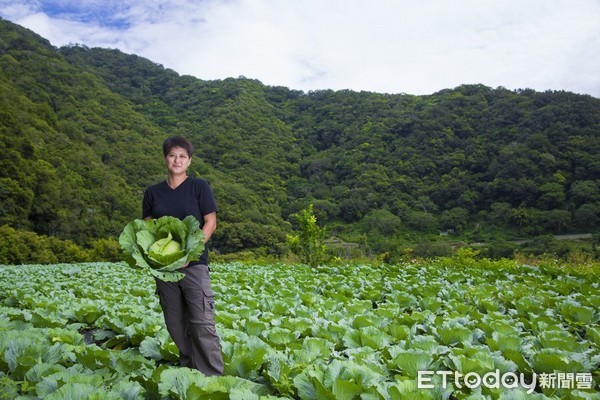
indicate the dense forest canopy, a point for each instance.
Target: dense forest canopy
{"x":81,"y":132}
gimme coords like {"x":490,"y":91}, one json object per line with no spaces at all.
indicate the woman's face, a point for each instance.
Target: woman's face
{"x":177,"y":160}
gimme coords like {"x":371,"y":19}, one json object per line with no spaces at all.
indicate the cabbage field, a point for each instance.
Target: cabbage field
{"x":449,"y":328}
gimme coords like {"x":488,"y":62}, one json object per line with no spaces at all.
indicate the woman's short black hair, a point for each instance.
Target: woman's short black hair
{"x":178,"y":141}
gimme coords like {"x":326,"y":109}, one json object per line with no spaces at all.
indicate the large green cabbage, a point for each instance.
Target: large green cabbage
{"x":162,"y":246}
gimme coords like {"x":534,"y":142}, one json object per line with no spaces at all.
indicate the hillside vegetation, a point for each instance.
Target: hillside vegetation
{"x":81,"y":132}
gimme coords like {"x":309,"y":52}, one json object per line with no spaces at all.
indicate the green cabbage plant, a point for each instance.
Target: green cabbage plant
{"x":162,"y":246}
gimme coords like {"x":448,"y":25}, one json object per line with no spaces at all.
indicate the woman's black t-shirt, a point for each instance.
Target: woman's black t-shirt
{"x":192,"y":197}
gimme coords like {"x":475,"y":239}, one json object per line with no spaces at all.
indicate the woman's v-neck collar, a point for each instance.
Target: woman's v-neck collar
{"x":178,"y":186}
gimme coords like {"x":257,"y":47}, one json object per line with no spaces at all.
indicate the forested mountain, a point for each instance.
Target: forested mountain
{"x":81,"y":132}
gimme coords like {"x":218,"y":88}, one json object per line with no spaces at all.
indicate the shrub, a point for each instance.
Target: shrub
{"x":26,"y":247}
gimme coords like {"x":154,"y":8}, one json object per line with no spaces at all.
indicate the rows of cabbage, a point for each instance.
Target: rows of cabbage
{"x":332,"y":332}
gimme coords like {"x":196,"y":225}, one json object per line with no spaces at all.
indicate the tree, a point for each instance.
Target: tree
{"x":381,"y":222}
{"x":586,"y":216}
{"x":583,"y":192}
{"x":455,"y":219}
{"x":552,"y":196}
{"x":555,"y":221}
{"x":308,"y":242}
{"x":422,"y":221}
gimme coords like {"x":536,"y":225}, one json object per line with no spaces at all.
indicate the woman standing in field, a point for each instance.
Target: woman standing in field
{"x":189,"y":304}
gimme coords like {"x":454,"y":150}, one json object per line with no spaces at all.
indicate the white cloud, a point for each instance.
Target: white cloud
{"x":392,"y":46}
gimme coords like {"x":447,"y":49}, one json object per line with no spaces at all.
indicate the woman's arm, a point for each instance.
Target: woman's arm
{"x":210,"y":224}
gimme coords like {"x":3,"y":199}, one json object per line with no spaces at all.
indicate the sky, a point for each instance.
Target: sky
{"x":416,"y":47}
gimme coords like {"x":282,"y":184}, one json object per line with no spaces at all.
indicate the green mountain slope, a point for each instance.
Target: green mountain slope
{"x":66,"y":144}
{"x":81,"y":132}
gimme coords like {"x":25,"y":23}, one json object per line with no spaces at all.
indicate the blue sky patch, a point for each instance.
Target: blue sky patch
{"x":103,"y":14}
